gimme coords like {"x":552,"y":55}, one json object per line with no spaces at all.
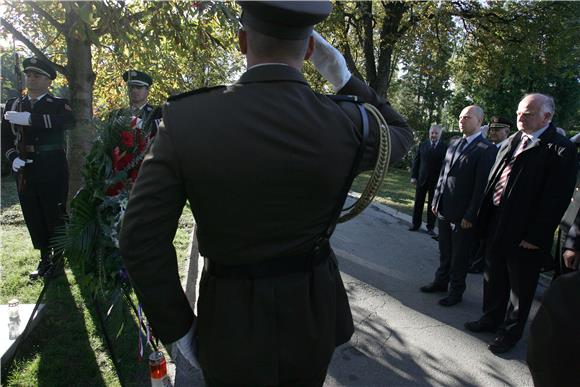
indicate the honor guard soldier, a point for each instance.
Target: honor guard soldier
{"x":266,"y":182}
{"x":33,"y":141}
{"x":139,"y":84}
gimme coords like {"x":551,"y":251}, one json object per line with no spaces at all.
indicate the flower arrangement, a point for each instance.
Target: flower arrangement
{"x":90,"y":237}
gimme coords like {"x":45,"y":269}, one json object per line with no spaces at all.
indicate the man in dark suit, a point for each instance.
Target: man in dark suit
{"x":266,"y":182}
{"x":498,"y":131}
{"x":426,"y":167}
{"x":457,"y":198}
{"x":528,"y":190}
{"x":33,"y":142}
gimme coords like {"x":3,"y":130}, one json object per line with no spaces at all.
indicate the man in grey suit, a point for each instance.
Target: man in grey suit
{"x":457,"y":198}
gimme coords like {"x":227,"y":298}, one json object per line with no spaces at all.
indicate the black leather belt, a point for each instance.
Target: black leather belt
{"x":302,"y":263}
{"x":43,"y":148}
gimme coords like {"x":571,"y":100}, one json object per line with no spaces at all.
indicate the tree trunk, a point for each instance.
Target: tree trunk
{"x":81,"y":79}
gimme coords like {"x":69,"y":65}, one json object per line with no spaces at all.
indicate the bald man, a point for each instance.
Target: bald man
{"x":528,"y":190}
{"x":457,"y":198}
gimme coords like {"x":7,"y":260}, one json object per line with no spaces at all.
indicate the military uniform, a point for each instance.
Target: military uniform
{"x":46,"y":184}
{"x":150,"y":115}
{"x":263,"y":163}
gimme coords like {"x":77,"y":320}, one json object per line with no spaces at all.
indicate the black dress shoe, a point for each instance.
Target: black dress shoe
{"x":450,"y":300}
{"x":414,"y":228}
{"x":501,"y":344}
{"x":41,"y":270}
{"x":430,"y":232}
{"x":433,"y":288}
{"x":479,"y":326}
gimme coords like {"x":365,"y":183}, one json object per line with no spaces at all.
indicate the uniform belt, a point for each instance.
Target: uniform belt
{"x":43,"y":148}
{"x":302,"y":263}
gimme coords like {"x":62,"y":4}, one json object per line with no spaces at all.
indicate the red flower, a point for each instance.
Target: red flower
{"x":127,"y":139}
{"x":133,"y":173}
{"x":114,"y":189}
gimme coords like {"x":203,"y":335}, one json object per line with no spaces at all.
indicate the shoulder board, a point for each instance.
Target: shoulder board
{"x":194,"y":92}
{"x":344,"y":98}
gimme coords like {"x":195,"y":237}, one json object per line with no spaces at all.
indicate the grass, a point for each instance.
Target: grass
{"x":66,"y":348}
{"x":396,"y":191}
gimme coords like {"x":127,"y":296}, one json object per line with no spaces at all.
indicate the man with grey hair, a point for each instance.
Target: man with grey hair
{"x":426,"y":167}
{"x":457,"y":198}
{"x":527,"y":192}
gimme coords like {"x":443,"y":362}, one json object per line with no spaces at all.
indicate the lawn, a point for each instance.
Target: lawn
{"x":67,"y":348}
{"x":396,"y":191}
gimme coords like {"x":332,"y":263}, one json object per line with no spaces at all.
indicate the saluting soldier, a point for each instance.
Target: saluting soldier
{"x":266,"y":165}
{"x":33,"y":141}
{"x":139,"y":84}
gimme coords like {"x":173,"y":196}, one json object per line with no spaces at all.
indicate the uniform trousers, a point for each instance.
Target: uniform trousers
{"x":43,"y":205}
{"x":455,"y":247}
{"x":420,"y":193}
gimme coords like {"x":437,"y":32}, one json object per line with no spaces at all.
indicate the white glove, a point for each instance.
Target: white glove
{"x":19,"y":163}
{"x":186,"y":346}
{"x":329,"y":62}
{"x":18,"y":118}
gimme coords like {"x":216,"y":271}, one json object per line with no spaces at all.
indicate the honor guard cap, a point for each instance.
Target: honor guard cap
{"x":137,"y":78}
{"x":290,"y":20}
{"x":499,"y":122}
{"x":39,"y":66}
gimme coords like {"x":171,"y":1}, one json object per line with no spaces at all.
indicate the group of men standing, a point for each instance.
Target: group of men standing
{"x":33,"y":130}
{"x":506,"y":196}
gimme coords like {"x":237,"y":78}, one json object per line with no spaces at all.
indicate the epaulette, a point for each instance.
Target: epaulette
{"x":193,"y":92}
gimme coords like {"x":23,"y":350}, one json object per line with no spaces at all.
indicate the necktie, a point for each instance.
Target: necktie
{"x":433,"y":143}
{"x":459,"y":149}
{"x":505,"y":175}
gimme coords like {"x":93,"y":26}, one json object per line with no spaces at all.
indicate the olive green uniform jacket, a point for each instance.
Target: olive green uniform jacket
{"x":263,"y":163}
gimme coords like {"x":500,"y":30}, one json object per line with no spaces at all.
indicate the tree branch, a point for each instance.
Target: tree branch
{"x":59,"y":26}
{"x":31,"y":46}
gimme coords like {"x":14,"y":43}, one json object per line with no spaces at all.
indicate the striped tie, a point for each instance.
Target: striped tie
{"x":505,"y":175}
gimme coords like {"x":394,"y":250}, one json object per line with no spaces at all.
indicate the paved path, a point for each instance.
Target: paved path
{"x":403,"y":337}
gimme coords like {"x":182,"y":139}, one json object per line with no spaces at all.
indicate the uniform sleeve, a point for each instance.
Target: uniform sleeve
{"x":8,"y":149}
{"x":554,"y":198}
{"x":62,"y":119}
{"x":484,"y":164}
{"x":401,"y":133}
{"x":146,"y":242}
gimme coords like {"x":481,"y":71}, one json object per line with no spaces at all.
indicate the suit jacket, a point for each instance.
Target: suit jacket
{"x":50,"y":117}
{"x":262,"y":163}
{"x":427,"y":163}
{"x":462,"y":181}
{"x":538,"y":191}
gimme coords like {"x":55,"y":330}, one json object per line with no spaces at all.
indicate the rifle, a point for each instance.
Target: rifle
{"x":21,"y":135}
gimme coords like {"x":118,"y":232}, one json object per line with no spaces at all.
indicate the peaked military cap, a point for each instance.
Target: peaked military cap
{"x":291,"y":20}
{"x":499,"y":122}
{"x":39,"y":66}
{"x":137,"y":78}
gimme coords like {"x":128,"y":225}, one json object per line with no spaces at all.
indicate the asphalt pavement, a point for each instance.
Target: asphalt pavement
{"x":404,"y":337}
